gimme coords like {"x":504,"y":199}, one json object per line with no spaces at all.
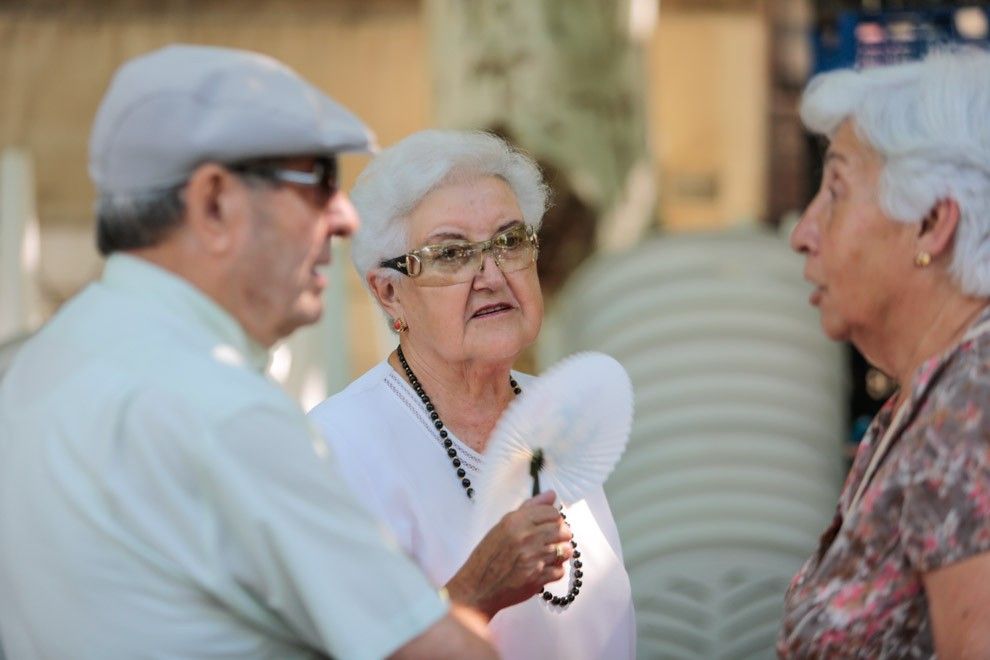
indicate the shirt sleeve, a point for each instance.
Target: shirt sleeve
{"x":296,"y":539}
{"x":946,"y":511}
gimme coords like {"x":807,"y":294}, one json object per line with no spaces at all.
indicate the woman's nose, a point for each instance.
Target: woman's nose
{"x":804,"y":236}
{"x":490,"y":274}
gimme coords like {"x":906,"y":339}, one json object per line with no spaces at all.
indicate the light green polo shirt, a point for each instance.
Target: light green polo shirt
{"x":160,"y":497}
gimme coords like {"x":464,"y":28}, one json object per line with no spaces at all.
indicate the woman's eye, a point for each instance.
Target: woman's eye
{"x":509,"y":241}
{"x":834,"y":187}
{"x":451,"y":252}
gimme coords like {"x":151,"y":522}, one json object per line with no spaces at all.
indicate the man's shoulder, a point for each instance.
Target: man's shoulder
{"x":96,"y":343}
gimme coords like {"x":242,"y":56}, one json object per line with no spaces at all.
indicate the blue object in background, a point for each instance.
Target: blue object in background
{"x":863,"y":39}
{"x":858,"y":430}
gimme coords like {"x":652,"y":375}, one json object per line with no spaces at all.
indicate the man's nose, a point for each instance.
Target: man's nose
{"x":344,"y":220}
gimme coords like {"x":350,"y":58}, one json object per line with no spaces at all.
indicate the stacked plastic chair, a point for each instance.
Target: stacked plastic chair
{"x":735,"y":459}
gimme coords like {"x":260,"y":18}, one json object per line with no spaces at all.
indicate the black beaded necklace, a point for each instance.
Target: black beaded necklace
{"x":576,"y":565}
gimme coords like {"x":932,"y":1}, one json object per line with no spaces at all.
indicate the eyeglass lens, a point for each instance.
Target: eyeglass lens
{"x":329,"y":181}
{"x":322,"y":179}
{"x":454,"y":263}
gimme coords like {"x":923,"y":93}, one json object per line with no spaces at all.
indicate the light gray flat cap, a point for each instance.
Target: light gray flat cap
{"x":173,"y":109}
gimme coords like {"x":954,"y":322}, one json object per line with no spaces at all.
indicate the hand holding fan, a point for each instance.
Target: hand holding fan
{"x":565,"y":432}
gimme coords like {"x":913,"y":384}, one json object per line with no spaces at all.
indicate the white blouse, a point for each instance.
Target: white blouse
{"x":391,"y":455}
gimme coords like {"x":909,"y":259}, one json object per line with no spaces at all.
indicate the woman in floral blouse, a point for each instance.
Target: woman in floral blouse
{"x":897,"y":245}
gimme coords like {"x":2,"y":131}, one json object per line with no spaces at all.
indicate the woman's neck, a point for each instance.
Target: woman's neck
{"x":469,"y":396}
{"x":926,"y":332}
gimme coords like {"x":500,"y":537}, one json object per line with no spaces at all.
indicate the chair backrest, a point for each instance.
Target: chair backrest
{"x":735,"y":459}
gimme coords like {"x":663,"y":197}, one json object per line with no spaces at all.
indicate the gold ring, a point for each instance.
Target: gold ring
{"x":559,"y":549}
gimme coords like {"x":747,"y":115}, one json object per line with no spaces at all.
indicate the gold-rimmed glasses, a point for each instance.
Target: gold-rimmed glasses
{"x":455,"y":262}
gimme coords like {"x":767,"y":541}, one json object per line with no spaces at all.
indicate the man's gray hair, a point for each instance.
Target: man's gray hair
{"x":133,"y":221}
{"x":930,"y":121}
{"x":398,"y":179}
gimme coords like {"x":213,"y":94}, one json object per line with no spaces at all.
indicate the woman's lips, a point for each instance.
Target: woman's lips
{"x":816,"y":296}
{"x":491,"y":310}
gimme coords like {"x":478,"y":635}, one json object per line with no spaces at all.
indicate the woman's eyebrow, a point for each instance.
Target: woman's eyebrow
{"x":510,"y":223}
{"x":455,"y":235}
{"x":831,"y":156}
{"x":446,"y":235}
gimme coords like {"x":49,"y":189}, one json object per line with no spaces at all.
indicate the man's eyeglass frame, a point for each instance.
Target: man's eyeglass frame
{"x":411,"y":263}
{"x":323,"y":178}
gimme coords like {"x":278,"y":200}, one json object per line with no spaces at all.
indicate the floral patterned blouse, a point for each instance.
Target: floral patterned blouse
{"x":927,"y":506}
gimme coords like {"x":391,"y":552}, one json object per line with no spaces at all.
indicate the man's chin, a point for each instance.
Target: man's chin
{"x":304,"y":315}
{"x":311,"y":314}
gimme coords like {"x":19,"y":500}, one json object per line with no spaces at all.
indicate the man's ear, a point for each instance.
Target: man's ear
{"x":383,"y":288}
{"x":938,"y":229}
{"x":216,"y":207}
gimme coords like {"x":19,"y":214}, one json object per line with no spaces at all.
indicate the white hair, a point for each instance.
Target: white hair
{"x":398,"y":179}
{"x":930,"y":121}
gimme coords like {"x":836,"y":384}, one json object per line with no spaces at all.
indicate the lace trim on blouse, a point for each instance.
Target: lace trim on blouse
{"x":470,"y":459}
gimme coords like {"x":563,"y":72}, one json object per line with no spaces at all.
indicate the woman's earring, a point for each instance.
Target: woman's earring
{"x":922,"y":259}
{"x":399,"y":325}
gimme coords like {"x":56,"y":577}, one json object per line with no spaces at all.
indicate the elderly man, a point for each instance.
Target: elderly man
{"x":159,"y":496}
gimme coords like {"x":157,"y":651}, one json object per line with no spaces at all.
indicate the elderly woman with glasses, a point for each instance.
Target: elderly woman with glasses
{"x":897,"y":246}
{"x":448,"y":249}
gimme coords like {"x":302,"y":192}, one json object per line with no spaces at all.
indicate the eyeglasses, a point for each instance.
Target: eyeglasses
{"x":323,"y":178}
{"x":454,"y":262}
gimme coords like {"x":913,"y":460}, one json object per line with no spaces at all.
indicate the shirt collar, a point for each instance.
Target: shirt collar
{"x":141,"y":278}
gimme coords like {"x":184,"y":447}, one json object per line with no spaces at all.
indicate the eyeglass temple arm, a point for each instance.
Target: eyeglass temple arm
{"x":398,"y":263}
{"x":407,"y":264}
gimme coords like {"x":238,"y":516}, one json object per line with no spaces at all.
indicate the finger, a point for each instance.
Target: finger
{"x":529,"y":521}
{"x":559,"y":553}
{"x":548,"y":534}
{"x":551,"y":574}
{"x":543,"y":515}
{"x":540,"y":536}
{"x":546,"y":497}
{"x":544,"y":548}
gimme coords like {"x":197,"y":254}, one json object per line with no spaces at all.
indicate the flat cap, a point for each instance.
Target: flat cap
{"x":173,"y":109}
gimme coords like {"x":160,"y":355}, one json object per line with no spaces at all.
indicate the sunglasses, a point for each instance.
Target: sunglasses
{"x":455,"y":262}
{"x":322,"y":179}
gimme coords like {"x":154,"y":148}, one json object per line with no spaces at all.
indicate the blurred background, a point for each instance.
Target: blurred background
{"x":670,"y":135}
